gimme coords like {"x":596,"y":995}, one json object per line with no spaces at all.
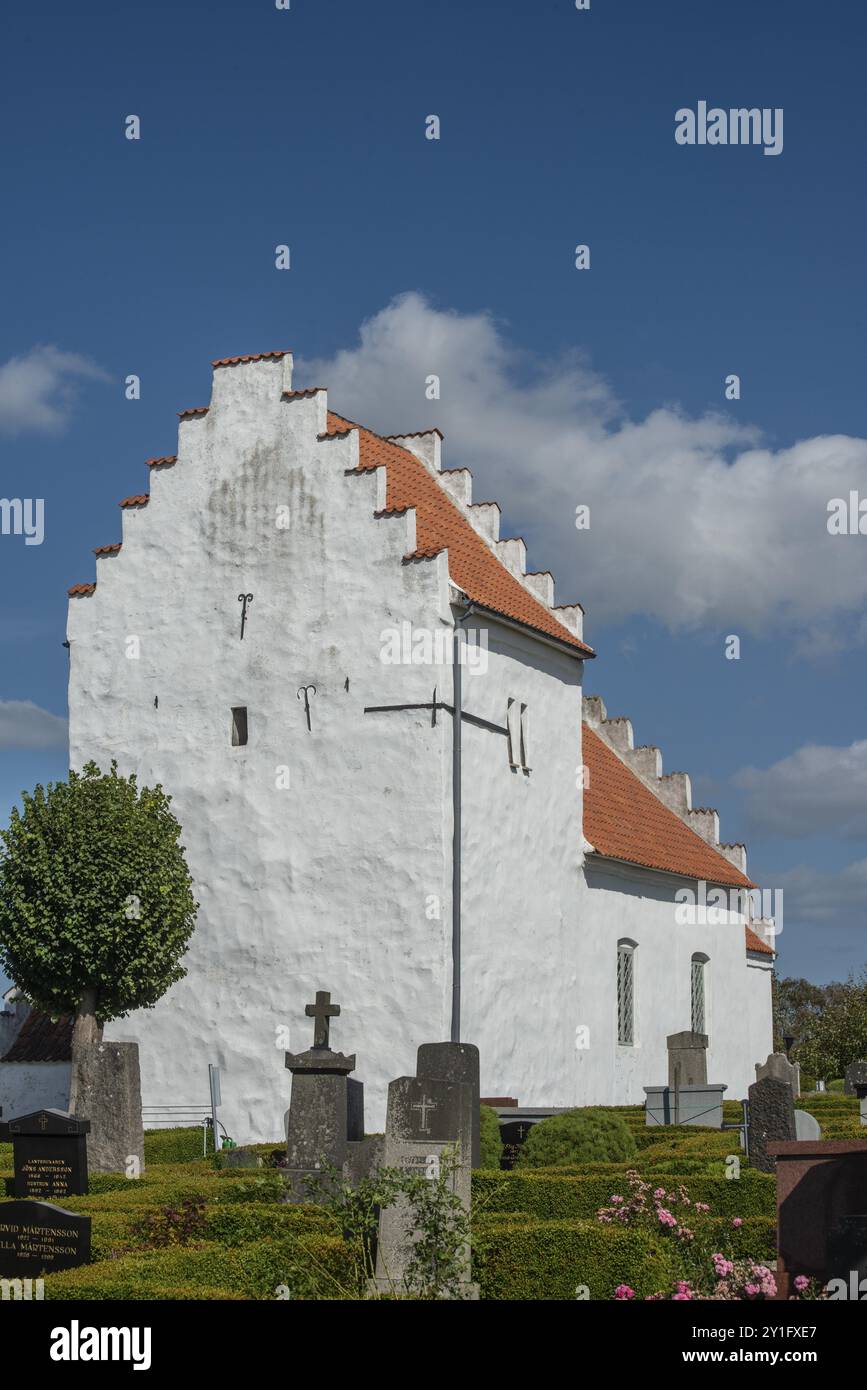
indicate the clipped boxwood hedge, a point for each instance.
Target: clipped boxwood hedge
{"x":552,"y":1259}
{"x":552,"y":1197}
{"x":259,"y":1270}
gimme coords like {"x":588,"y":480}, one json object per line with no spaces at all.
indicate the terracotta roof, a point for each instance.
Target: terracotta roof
{"x":108,"y":549}
{"x":161,"y":462}
{"x":252,"y":357}
{"x":755,"y":943}
{"x":440,"y":524}
{"x":415,"y":434}
{"x":42,"y":1039}
{"x":194,"y":410}
{"x":296,"y":395}
{"x":140,"y":501}
{"x":624,"y":820}
{"x":79,"y":590}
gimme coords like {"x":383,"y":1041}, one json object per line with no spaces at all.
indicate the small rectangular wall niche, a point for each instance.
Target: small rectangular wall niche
{"x":239,"y":725}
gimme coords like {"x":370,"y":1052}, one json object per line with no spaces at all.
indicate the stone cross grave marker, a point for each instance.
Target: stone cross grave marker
{"x":326,"y":1111}
{"x":49,"y":1153}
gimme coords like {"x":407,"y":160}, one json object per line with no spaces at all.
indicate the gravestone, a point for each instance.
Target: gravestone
{"x":861,"y":1093}
{"x":105,"y":1085}
{"x":38,"y":1238}
{"x":454,"y":1062}
{"x":325,"y":1126}
{"x":771,"y":1120}
{"x":821,"y":1211}
{"x":49,"y":1152}
{"x":782,"y":1069}
{"x":687,"y":1059}
{"x":854,"y":1076}
{"x":428,"y":1132}
{"x":807,"y":1126}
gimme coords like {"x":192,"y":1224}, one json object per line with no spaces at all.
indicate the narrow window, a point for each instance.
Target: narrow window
{"x":514,"y":728}
{"x":625,"y":994}
{"x":697,"y":1009}
{"x":525,"y":738}
{"x":239,"y":725}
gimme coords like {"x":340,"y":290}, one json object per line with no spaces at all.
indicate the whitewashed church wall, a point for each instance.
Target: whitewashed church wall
{"x":521,"y":860}
{"x":639,"y":906}
{"x":320,"y":884}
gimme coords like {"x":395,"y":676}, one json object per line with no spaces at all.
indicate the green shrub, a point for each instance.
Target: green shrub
{"x":553,"y":1259}
{"x":176,"y":1145}
{"x":265,"y":1269}
{"x":577,"y":1136}
{"x":490,"y":1143}
{"x":549,"y":1196}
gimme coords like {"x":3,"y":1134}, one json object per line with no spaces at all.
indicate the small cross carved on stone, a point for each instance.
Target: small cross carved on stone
{"x":322,"y":1011}
{"x":424,"y":1105}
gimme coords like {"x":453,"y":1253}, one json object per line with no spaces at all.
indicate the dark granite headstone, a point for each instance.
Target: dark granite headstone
{"x":38,"y":1238}
{"x":454,"y":1062}
{"x":49,"y":1151}
{"x":821,"y":1212}
{"x":855,"y":1075}
{"x":771,"y":1120}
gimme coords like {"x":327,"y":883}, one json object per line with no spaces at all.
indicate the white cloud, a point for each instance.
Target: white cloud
{"x":25,"y":725}
{"x":836,"y":899}
{"x":38,"y":389}
{"x":692,"y":522}
{"x":815,"y":790}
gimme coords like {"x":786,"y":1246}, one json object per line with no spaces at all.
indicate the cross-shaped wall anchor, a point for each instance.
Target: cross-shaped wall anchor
{"x":305,"y":691}
{"x":245,"y":599}
{"x":323,"y":1011}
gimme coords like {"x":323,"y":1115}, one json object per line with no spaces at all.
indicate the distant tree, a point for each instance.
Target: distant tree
{"x":797,"y":1004}
{"x":838,"y":1034}
{"x":96,"y":907}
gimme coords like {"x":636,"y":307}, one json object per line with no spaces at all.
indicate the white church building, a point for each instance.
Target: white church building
{"x":273,"y":642}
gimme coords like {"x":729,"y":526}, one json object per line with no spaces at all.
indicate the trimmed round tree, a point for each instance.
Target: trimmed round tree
{"x":96,"y":903}
{"x":590,"y":1135}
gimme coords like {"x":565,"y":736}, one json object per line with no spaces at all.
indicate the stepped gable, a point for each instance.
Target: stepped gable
{"x":441,"y":525}
{"x":489,"y":571}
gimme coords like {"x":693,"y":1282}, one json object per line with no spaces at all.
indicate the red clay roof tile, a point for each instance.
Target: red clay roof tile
{"x":80,"y":590}
{"x":441,"y":525}
{"x":108,"y":549}
{"x":162,"y":462}
{"x":251,"y":357}
{"x":624,"y":820}
{"x":194,"y":410}
{"x":755,"y":943}
{"x":140,"y":501}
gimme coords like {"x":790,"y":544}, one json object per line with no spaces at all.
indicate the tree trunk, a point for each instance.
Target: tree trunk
{"x":85,"y":1029}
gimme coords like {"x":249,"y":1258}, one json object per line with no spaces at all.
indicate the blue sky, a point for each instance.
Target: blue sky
{"x":307,"y":127}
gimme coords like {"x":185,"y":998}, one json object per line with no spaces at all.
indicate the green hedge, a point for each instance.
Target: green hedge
{"x":554,"y":1197}
{"x":550,"y":1260}
{"x":490,"y":1143}
{"x":255,"y":1271}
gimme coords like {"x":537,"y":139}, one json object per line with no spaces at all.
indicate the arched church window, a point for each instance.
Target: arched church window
{"x":626,"y":993}
{"x":697,"y":993}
